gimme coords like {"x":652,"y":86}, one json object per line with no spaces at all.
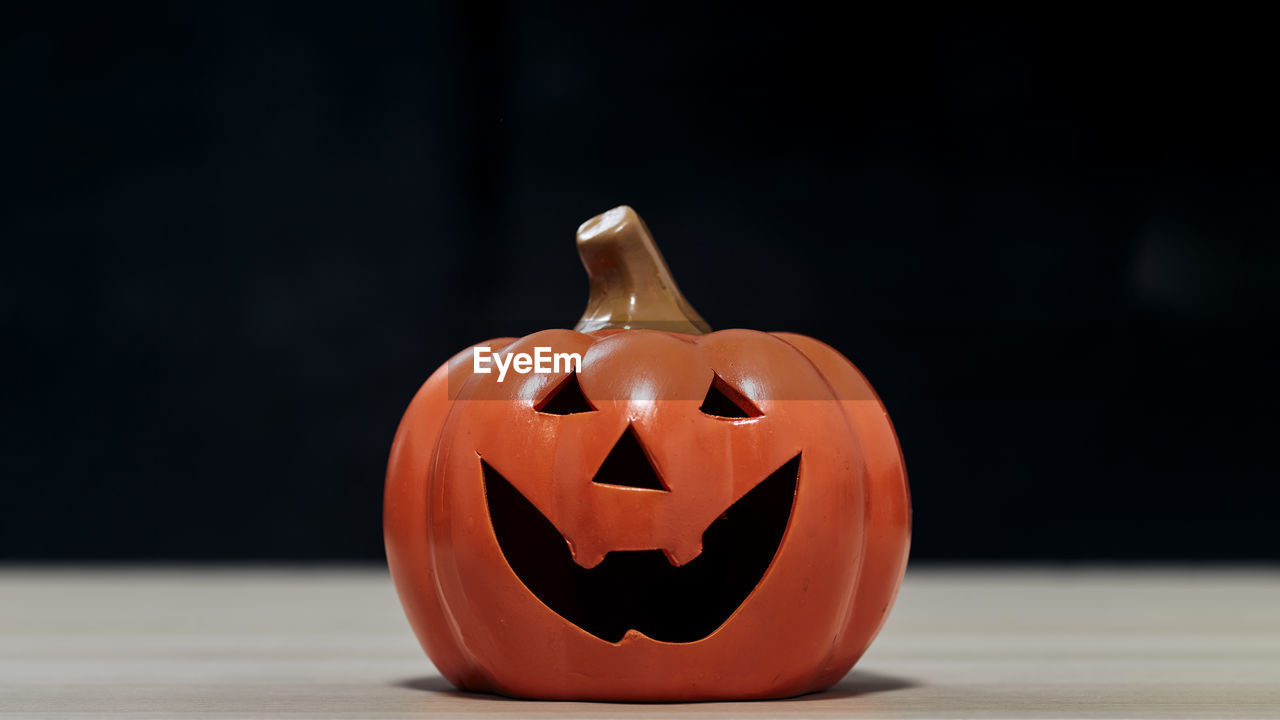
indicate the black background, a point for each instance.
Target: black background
{"x":237,"y":237}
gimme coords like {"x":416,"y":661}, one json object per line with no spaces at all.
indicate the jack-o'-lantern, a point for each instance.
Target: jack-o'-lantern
{"x":676,"y":514}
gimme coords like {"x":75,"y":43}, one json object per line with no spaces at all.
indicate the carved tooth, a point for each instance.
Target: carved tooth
{"x":586,"y":557}
{"x":684,"y":552}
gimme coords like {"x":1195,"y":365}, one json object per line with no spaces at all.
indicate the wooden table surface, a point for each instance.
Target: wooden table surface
{"x":331,"y":642}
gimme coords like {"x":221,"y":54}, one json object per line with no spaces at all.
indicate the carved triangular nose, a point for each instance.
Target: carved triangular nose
{"x":628,"y":465}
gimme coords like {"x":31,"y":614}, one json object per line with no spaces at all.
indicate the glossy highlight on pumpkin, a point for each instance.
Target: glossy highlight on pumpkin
{"x":693,"y":515}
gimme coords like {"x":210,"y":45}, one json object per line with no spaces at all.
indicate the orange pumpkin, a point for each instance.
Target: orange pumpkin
{"x":691,"y":515}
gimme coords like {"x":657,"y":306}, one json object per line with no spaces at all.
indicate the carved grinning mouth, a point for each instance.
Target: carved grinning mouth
{"x":641,"y":589}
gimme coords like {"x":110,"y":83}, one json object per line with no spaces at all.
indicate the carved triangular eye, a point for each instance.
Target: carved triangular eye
{"x":724,"y":401}
{"x":565,"y":399}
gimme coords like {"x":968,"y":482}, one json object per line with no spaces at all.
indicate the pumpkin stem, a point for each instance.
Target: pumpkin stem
{"x":631,"y":285}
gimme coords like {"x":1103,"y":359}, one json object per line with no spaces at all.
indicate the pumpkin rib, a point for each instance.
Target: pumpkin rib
{"x":406,"y":539}
{"x":893,"y":549}
{"x":823,"y":675}
{"x":819,"y":679}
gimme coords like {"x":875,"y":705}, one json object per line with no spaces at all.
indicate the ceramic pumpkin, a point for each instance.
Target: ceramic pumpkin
{"x":685,"y":515}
